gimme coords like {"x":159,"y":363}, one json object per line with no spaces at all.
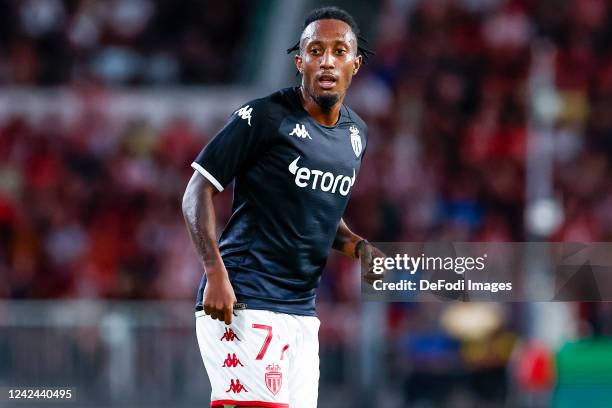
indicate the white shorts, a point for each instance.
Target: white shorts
{"x":263,"y":359}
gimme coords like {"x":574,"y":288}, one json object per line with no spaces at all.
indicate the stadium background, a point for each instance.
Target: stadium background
{"x":489,"y":121}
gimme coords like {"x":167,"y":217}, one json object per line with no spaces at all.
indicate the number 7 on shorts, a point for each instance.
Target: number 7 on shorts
{"x":267,"y":341}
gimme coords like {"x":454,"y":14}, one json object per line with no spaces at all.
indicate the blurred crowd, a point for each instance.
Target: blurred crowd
{"x":447,"y":102}
{"x":448,"y":108}
{"x":91,"y":208}
{"x":122,"y":42}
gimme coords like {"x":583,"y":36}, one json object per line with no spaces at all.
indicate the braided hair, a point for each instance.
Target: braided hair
{"x":335,"y":13}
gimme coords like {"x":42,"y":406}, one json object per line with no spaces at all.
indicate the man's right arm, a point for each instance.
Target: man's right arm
{"x":199,"y":214}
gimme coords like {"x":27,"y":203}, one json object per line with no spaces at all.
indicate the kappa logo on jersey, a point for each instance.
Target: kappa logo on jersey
{"x":232,"y":361}
{"x":236,"y":387}
{"x":274,"y":378}
{"x":300,"y":131}
{"x":329,"y":182}
{"x":355,"y":140}
{"x":229,"y":335}
{"x":245,"y":113}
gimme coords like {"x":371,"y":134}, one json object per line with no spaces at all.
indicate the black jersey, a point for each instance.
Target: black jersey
{"x":292,"y":181}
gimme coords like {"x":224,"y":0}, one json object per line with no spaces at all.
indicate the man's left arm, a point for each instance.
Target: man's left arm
{"x":346,"y":240}
{"x":355,"y":246}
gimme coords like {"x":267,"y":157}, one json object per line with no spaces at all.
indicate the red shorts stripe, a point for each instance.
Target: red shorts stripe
{"x":221,"y":403}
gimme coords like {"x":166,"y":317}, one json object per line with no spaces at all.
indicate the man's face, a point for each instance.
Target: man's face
{"x":328,"y":60}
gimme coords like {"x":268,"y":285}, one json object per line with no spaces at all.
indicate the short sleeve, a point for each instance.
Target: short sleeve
{"x":237,"y":146}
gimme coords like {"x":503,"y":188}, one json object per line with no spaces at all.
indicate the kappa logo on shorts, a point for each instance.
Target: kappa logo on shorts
{"x":274,"y":378}
{"x":236,"y":387}
{"x":232,"y":361}
{"x":229,"y":335}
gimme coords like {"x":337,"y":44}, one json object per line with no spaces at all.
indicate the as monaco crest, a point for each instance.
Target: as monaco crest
{"x":355,"y":140}
{"x":274,"y":378}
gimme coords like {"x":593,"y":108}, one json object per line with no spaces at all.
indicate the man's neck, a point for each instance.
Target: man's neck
{"x":325,"y":117}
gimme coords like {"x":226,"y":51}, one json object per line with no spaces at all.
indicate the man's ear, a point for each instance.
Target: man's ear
{"x":298,"y":63}
{"x":357,"y":64}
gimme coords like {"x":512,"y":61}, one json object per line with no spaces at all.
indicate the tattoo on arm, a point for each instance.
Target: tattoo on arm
{"x":199,"y":214}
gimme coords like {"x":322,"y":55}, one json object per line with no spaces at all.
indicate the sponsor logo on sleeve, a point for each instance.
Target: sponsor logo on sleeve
{"x":245,"y":113}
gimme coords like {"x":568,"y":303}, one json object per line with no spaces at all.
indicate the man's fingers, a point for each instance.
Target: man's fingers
{"x":367,"y":265}
{"x":376,"y":253}
{"x":368,"y":253}
{"x":219,"y":315}
{"x":370,"y":277}
{"x":207,"y":309}
{"x":213,"y":312}
{"x":223,"y":314}
{"x":228,"y":315}
{"x":366,"y":256}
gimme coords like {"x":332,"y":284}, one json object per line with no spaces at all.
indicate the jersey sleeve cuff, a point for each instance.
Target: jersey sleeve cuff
{"x":208,"y":176}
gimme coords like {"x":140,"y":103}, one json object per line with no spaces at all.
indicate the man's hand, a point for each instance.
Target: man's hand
{"x":219,"y":297}
{"x":366,"y":253}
